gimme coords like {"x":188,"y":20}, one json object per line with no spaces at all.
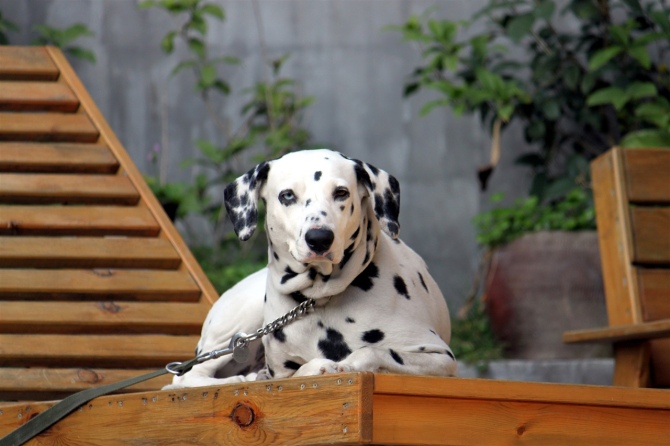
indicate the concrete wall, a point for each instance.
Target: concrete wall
{"x":340,"y":55}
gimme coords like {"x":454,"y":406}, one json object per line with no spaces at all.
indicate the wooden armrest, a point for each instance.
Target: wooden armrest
{"x":634,"y":332}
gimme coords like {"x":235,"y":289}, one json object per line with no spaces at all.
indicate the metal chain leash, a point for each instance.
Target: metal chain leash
{"x":239,"y":343}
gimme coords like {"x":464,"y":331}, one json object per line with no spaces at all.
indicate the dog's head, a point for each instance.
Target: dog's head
{"x":315,"y":203}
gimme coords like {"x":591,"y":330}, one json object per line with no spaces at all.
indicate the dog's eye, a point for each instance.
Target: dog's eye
{"x":287,"y":197}
{"x":341,"y":194}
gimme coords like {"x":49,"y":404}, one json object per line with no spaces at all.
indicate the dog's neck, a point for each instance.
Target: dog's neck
{"x":298,"y":280}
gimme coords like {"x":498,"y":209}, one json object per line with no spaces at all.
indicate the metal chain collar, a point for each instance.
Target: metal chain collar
{"x":240,"y":341}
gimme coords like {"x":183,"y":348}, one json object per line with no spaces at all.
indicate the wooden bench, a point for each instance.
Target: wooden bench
{"x":96,"y":285}
{"x":95,"y":289}
{"x":632,"y":197}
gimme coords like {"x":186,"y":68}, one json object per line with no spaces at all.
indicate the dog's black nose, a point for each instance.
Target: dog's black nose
{"x":319,"y":240}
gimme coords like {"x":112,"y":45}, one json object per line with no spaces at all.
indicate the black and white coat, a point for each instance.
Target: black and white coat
{"x":332,"y":228}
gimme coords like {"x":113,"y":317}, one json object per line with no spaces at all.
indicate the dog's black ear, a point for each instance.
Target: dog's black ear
{"x":241,"y":200}
{"x":384,"y":190}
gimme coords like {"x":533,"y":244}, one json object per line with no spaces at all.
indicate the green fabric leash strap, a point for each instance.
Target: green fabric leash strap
{"x":66,"y":406}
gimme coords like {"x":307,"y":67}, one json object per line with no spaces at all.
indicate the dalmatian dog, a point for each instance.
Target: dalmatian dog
{"x":332,"y":229}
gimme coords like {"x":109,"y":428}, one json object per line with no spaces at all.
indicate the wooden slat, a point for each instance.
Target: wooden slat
{"x":45,"y":383}
{"x":102,"y":317}
{"x":145,"y":285}
{"x":660,"y":362}
{"x":87,"y":252}
{"x":19,"y":350}
{"x":76,"y":220}
{"x":648,"y":175}
{"x":631,"y":364}
{"x":332,"y":409}
{"x":618,"y":333}
{"x":67,"y":189}
{"x":651,"y":234}
{"x":27,"y":63}
{"x":56,"y":157}
{"x":47,"y":127}
{"x":37,"y":96}
{"x":428,"y":411}
{"x":654,"y":291}
{"x":108,"y":137}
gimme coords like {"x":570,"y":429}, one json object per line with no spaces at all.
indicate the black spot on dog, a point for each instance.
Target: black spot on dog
{"x":362,"y":175}
{"x":364,"y":279}
{"x":298,"y":297}
{"x":433,"y":331}
{"x":312,"y":273}
{"x":423,"y":282}
{"x":342,"y":208}
{"x":400,"y":286}
{"x":274,"y":254}
{"x":451,"y":355}
{"x":290,"y":274}
{"x":396,"y":357}
{"x":319,"y":324}
{"x":309,"y":200}
{"x":333,"y":346}
{"x":197,"y":352}
{"x":325,"y":278}
{"x":324,"y":214}
{"x":279,"y":335}
{"x":349,"y":320}
{"x":422,"y":349}
{"x":367,"y":256}
{"x":317,"y":176}
{"x":355,"y":234}
{"x":271,"y":372}
{"x":291,"y":365}
{"x":265,"y":298}
{"x":347,"y":255}
{"x":373,"y":336}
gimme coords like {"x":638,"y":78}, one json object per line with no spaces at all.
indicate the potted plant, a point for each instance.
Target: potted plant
{"x":579,"y":80}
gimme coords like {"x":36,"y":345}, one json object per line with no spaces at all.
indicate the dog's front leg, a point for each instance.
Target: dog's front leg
{"x":319,"y":366}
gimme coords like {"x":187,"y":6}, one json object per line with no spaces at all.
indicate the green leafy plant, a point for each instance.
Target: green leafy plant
{"x":270,"y":126}
{"x":6,"y":26}
{"x":504,"y":224}
{"x":63,"y":39}
{"x":576,"y":90}
{"x":472,"y":339}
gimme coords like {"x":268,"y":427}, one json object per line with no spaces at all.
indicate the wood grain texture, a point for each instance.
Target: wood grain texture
{"x":37,"y":96}
{"x":47,"y":127}
{"x":56,"y":157}
{"x":654,"y":292}
{"x":26,"y":63}
{"x":97,"y":284}
{"x":24,"y":188}
{"x":650,"y":227}
{"x":87,"y":252}
{"x":648,"y":175}
{"x":110,"y":139}
{"x":56,"y":383}
{"x":618,"y":333}
{"x":632,"y":364}
{"x":333,"y":409}
{"x":660,"y":363}
{"x":102,"y":317}
{"x":128,"y":351}
{"x":77,"y":220}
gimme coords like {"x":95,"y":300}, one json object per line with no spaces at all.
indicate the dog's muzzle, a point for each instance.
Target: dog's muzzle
{"x":319,"y":240}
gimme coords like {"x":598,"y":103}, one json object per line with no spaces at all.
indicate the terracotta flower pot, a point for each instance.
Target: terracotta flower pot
{"x":541,"y":285}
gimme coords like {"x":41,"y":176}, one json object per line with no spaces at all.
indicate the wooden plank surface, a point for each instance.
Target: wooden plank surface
{"x":77,"y":220}
{"x":651,"y":234}
{"x":37,"y":96}
{"x":144,"y":285}
{"x":47,"y":127}
{"x":618,"y":333}
{"x":109,"y":138}
{"x":56,"y":157}
{"x":22,"y":62}
{"x":23,"y":350}
{"x":104,"y":317}
{"x":648,"y":175}
{"x":660,"y":352}
{"x":434,"y":411}
{"x":654,"y":290}
{"x":67,"y":189}
{"x":87,"y":252}
{"x":332,"y":409}
{"x":56,"y":383}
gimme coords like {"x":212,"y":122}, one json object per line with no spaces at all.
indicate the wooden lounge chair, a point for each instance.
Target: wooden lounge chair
{"x":80,"y":305}
{"x":632,"y":197}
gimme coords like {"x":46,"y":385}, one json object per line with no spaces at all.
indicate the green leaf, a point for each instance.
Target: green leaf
{"x":551,"y":110}
{"x":81,"y":53}
{"x":429,"y":106}
{"x":183,"y":65}
{"x":640,"y":54}
{"x":197,"y":46}
{"x":545,"y":9}
{"x":661,"y":19}
{"x":213,"y":10}
{"x":208,"y":75}
{"x":638,"y":90}
{"x":520,"y":26}
{"x":571,"y":76}
{"x":167,"y":43}
{"x":603,"y":56}
{"x":611,"y":95}
{"x":646,"y":138}
{"x":505,"y":112}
